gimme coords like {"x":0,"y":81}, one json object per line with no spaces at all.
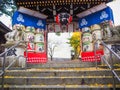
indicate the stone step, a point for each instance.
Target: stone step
{"x":115,"y":66}
{"x":55,"y":66}
{"x":63,"y":72}
{"x":64,"y":64}
{"x":61,"y":87}
{"x":59,"y":80}
{"x":66,"y":76}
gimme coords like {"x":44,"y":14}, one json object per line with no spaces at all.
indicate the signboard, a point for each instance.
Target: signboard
{"x":34,"y":33}
{"x":96,"y":18}
{"x":27,"y":20}
{"x":92,"y":20}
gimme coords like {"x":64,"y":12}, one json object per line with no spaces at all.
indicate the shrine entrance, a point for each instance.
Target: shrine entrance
{"x":58,"y":47}
{"x":60,"y":34}
{"x":37,"y":21}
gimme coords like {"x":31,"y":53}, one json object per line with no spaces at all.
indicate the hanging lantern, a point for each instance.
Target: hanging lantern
{"x":63,"y":18}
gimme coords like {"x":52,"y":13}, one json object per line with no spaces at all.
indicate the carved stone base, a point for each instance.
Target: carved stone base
{"x":108,"y":55}
{"x":14,"y":54}
{"x":112,"y":40}
{"x":11,"y":43}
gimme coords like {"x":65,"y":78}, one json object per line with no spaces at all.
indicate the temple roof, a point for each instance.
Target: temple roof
{"x":51,"y":8}
{"x":4,"y":28}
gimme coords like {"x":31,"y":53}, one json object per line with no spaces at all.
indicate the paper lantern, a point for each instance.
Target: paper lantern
{"x":63,"y":18}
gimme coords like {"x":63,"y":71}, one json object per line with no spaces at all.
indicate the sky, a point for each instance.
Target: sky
{"x":6,"y":20}
{"x":115,"y":5}
{"x":62,"y":50}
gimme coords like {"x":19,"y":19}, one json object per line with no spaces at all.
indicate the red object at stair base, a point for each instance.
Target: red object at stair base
{"x":36,"y":57}
{"x":90,"y":56}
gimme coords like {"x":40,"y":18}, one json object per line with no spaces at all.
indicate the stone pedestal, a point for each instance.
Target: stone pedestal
{"x":14,"y":54}
{"x":113,"y":44}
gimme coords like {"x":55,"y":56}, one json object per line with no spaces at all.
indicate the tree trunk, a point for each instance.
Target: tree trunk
{"x":76,"y":54}
{"x":51,"y":57}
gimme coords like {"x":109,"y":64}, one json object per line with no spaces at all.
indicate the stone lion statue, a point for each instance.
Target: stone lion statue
{"x":16,"y":34}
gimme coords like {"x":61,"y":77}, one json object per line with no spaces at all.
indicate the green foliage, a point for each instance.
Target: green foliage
{"x":74,"y":41}
{"x":58,"y":33}
{"x":7,"y":7}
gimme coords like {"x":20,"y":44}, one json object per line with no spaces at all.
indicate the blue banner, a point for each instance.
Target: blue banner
{"x":96,"y":18}
{"x":27,"y":20}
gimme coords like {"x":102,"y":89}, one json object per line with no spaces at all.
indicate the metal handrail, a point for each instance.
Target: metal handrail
{"x":110,"y":50}
{"x":103,"y":58}
{"x":3,"y":67}
{"x":11,"y":64}
{"x":110,"y":66}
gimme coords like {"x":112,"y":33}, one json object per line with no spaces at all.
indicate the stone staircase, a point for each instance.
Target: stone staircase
{"x":64,"y":75}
